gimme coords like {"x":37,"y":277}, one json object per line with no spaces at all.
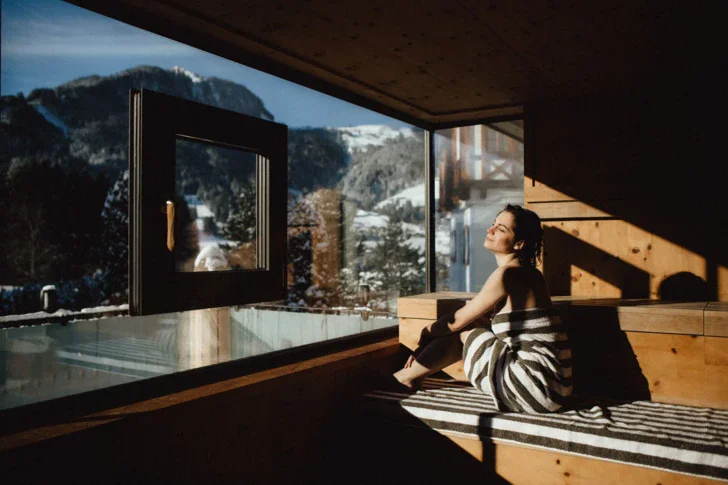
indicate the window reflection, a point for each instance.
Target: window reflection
{"x":479,"y":169}
{"x":215,"y":208}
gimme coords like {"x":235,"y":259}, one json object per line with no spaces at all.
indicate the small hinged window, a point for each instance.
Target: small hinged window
{"x":207,"y":206}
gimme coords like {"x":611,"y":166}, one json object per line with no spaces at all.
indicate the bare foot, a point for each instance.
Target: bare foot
{"x":410,"y":384}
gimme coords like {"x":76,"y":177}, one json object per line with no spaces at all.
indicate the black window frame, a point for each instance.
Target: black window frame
{"x":156,"y":122}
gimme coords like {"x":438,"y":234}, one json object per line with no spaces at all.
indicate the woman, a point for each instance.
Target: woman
{"x":521,"y":355}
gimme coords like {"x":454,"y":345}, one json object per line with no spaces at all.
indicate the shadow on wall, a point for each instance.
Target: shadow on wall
{"x":684,"y":286}
{"x":627,"y":155}
{"x":603,"y":360}
{"x":562,"y":250}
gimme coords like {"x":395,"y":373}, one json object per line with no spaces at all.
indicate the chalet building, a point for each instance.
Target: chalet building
{"x":601,"y":117}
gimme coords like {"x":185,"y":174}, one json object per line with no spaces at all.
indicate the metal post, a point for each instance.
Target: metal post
{"x":430,"y":210}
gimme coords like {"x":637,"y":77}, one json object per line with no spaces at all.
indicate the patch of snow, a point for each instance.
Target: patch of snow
{"x":369,"y":220}
{"x":51,"y":118}
{"x":108,"y":308}
{"x":413,"y":229}
{"x":417,"y":243}
{"x":40,"y":316}
{"x":362,"y":136}
{"x":200,"y":207}
{"x":414,"y":194}
{"x":36,"y":315}
{"x":196,"y":78}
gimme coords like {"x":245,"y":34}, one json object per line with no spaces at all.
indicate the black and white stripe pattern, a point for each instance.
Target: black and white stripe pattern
{"x":523,"y":360}
{"x":670,"y":437}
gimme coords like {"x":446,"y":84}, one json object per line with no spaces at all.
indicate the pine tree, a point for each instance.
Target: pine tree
{"x":115,"y":237}
{"x":52,"y":213}
{"x":241,"y":223}
{"x":397,"y":268}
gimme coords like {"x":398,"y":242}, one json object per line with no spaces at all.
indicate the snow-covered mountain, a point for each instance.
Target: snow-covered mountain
{"x":363,"y":137}
{"x":195,"y":78}
{"x":51,"y":118}
{"x":87,"y":117}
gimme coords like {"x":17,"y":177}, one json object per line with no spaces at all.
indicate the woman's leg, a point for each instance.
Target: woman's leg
{"x":437,"y":355}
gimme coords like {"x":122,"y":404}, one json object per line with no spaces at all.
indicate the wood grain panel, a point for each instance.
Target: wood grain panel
{"x":716,"y":319}
{"x":664,"y":318}
{"x":640,"y":264}
{"x":716,"y":351}
{"x":431,"y":305}
{"x":537,"y":191}
{"x":723,"y":283}
{"x":677,"y":371}
{"x":648,"y":316}
{"x":573,"y":209}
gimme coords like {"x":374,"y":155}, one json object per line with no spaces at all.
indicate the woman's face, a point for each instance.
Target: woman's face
{"x":501,"y":236}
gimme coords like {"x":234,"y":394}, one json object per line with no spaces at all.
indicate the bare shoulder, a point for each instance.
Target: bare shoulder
{"x":499,"y":274}
{"x":519,"y":278}
{"x":516,"y":273}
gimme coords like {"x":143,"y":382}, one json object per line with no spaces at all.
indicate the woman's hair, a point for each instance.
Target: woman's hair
{"x":528,"y":229}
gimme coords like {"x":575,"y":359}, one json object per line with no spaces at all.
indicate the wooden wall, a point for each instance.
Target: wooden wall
{"x":630,"y":188}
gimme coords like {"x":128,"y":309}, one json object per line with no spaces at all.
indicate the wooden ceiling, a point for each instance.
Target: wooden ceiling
{"x":430,"y":62}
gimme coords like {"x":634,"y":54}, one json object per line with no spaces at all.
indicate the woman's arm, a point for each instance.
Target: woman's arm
{"x":493,"y":291}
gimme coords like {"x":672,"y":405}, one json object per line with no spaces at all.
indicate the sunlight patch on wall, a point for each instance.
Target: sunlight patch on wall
{"x":586,"y":284}
{"x":630,"y":258}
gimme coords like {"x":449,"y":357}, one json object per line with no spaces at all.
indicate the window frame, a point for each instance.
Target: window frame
{"x":156,"y":122}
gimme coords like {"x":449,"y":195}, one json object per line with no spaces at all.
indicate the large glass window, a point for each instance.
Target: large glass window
{"x":355,"y":208}
{"x":478,"y":170}
{"x":356,"y":178}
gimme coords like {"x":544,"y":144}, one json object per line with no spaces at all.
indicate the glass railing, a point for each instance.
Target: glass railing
{"x":43,"y":362}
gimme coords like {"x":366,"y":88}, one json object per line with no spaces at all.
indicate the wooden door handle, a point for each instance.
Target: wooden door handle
{"x":170,"y":225}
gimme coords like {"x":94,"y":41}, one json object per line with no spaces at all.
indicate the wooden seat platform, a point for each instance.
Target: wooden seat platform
{"x":665,"y":439}
{"x":623,"y":349}
{"x":650,"y":403}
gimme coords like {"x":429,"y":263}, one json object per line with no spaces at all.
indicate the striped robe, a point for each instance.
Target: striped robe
{"x":523,"y":361}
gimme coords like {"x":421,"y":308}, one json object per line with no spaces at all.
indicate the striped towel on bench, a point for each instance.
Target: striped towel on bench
{"x":683,"y":439}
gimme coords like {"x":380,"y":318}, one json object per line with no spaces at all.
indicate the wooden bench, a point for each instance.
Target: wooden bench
{"x":623,"y":350}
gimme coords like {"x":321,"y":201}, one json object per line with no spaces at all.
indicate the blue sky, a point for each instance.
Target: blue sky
{"x":49,"y":42}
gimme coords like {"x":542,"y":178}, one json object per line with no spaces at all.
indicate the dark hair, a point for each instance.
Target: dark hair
{"x":528,"y":229}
